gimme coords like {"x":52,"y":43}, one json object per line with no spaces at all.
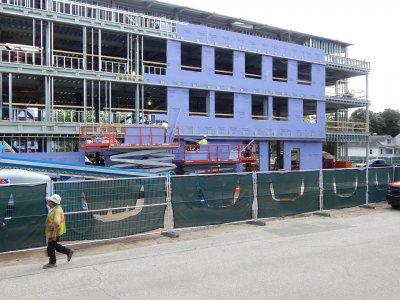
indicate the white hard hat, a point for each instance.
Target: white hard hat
{"x":55,"y":198}
{"x":204,"y":136}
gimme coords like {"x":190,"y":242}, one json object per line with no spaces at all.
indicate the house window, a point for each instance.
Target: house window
{"x":253,"y":64}
{"x":370,"y":151}
{"x":381,"y":151}
{"x":224,"y":105}
{"x":303,"y":73}
{"x":190,"y":57}
{"x":279,"y":69}
{"x":389,"y":141}
{"x":223,"y":62}
{"x":259,"y":107}
{"x":199,"y":103}
{"x":280,"y":108}
{"x":310,"y":111}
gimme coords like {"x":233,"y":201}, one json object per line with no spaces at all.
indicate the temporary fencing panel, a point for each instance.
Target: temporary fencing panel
{"x":112,"y":208}
{"x":378,"y":179}
{"x":344,"y":188}
{"x":282,"y":194}
{"x":397,"y":173}
{"x":214,"y":199}
{"x":22,"y":216}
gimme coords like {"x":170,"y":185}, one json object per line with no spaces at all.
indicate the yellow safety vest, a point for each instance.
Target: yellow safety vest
{"x":203,"y":142}
{"x":55,"y":217}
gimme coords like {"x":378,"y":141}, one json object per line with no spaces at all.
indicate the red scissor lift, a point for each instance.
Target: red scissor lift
{"x":136,"y":147}
{"x":113,"y":137}
{"x":211,"y":158}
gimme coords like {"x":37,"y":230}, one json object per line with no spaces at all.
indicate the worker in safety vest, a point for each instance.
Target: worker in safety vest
{"x":203,"y":141}
{"x":54,"y":228}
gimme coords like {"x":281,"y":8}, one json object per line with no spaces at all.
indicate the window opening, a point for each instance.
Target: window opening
{"x":259,"y":107}
{"x":310,"y":111}
{"x":223,"y":62}
{"x":304,"y":73}
{"x":253,"y":66}
{"x":155,"y":99}
{"x":279,"y":69}
{"x":275,"y":155}
{"x":199,"y":103}
{"x":280,"y":108}
{"x":224,"y":105}
{"x":295,"y":159}
{"x":190,"y":57}
{"x":155,"y":56}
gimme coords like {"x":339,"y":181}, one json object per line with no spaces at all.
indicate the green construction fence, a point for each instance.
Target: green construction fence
{"x":214,"y":199}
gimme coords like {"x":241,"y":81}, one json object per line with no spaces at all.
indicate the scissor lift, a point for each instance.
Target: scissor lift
{"x":214,"y":158}
{"x":135,"y":147}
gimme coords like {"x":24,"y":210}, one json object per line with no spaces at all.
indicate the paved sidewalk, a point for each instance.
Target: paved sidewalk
{"x":352,"y":254}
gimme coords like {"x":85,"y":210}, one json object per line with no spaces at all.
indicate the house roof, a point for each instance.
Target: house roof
{"x":377,"y":141}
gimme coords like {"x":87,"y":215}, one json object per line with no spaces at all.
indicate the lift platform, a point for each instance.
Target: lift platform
{"x":214,"y":158}
{"x":135,"y":147}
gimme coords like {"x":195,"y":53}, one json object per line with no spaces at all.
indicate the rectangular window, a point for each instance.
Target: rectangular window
{"x":279,"y":69}
{"x":295,"y":161}
{"x":370,"y":151}
{"x":190,"y":57}
{"x":199,"y":103}
{"x":224,"y":105}
{"x":259,"y":107}
{"x":303,"y":73}
{"x":154,"y":56}
{"x":223,"y":62}
{"x":280,"y":108}
{"x":253,"y":66}
{"x":155,"y":99}
{"x":310,"y":111}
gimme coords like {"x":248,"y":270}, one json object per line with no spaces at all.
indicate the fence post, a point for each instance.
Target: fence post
{"x":367,"y":204}
{"x":169,"y":233}
{"x":322,"y":212}
{"x":255,"y":220}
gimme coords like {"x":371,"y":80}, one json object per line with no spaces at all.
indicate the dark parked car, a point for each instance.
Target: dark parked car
{"x":373,"y":163}
{"x":393,"y":194}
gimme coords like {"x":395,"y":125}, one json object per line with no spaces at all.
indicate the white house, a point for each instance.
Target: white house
{"x":380,"y":146}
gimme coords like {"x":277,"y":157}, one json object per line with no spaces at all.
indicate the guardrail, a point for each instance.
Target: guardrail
{"x":340,"y":61}
{"x":99,"y":13}
{"x":342,"y":126}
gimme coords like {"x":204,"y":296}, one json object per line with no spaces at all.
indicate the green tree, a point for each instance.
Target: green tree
{"x":391,"y":118}
{"x":376,"y":122}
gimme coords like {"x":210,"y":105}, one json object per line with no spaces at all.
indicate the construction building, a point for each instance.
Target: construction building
{"x":65,"y":65}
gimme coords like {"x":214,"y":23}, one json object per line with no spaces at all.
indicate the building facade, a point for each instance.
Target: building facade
{"x":66,"y":63}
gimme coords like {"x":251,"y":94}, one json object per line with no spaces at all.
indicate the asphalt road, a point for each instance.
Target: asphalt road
{"x":354,"y":256}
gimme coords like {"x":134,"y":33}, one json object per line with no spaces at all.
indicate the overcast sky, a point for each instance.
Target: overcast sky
{"x":370,"y":26}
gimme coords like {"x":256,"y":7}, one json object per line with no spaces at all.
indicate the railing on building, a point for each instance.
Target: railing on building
{"x":344,"y":126}
{"x":346,"y":62}
{"x":153,"y":67}
{"x":99,"y":13}
{"x":348,"y":94}
{"x":19,"y":54}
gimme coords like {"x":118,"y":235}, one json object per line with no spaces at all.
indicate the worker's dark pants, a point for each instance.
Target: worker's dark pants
{"x":52,"y":247}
